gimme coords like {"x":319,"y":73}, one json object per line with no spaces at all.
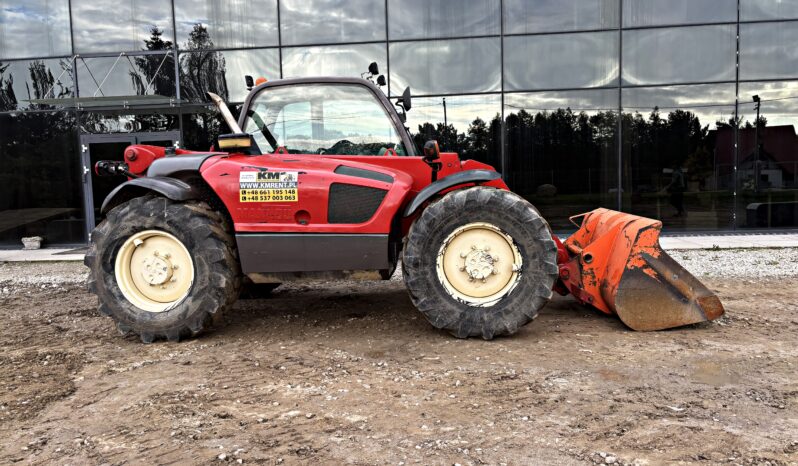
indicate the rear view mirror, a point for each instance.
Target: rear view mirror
{"x":431,"y":151}
{"x":381,"y":80}
{"x":250,"y":82}
{"x":406,"y":99}
{"x":374,"y":69}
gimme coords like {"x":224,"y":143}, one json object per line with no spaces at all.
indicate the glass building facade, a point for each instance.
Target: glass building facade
{"x":646,"y":106}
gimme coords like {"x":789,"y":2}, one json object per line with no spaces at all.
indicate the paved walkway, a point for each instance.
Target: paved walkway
{"x":725,"y":241}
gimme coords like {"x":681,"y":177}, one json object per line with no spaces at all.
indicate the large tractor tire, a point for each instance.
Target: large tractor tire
{"x":480,"y":262}
{"x":163,"y":269}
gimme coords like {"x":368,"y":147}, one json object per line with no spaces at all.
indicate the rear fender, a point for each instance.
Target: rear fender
{"x":171,"y":188}
{"x":488,"y":177}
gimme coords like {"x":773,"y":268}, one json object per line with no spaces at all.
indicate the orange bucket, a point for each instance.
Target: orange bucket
{"x":618,"y":266}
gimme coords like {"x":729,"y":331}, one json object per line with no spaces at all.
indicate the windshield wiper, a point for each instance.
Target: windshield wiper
{"x":264,"y":130}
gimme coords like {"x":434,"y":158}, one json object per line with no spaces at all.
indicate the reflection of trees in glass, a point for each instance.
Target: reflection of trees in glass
{"x":575,"y":146}
{"x":654,"y":144}
{"x":481,"y":141}
{"x":8,"y":100}
{"x":157,"y":69}
{"x":40,"y":85}
{"x":201,"y":70}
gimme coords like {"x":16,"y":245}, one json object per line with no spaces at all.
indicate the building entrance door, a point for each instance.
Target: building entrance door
{"x":95,"y":147}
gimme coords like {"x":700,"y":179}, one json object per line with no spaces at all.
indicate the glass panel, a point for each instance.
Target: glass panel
{"x":468,"y":125}
{"x":128,"y":122}
{"x":422,"y":19}
{"x":768,"y":50}
{"x":561,"y":151}
{"x":40,"y":188}
{"x":752,"y":10}
{"x":561,"y":61}
{"x":132,"y":25}
{"x":524,"y":16}
{"x":201,"y":128}
{"x":657,"y":12}
{"x":328,"y":119}
{"x":679,"y":55}
{"x":229,"y":23}
{"x":131,"y":75}
{"x":767,"y":176}
{"x":334,"y":60}
{"x":678,"y":155}
{"x":331,"y":21}
{"x":22,"y":81}
{"x":34,"y":28}
{"x":442,"y":67}
{"x":223,"y":72}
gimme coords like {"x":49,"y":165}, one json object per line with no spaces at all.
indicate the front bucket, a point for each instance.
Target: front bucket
{"x":618,"y":266}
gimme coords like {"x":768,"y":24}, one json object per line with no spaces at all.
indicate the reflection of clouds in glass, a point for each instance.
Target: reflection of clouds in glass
{"x":111,"y":25}
{"x":677,"y":55}
{"x":230,"y":23}
{"x":561,"y":60}
{"x":460,"y":111}
{"x":768,"y":51}
{"x":34,"y":29}
{"x":588,"y":101}
{"x":256,"y":63}
{"x":657,"y":12}
{"x":709,"y":102}
{"x":439,"y":67}
{"x":422,"y":19}
{"x":333,"y":60}
{"x":329,"y":21}
{"x":752,"y":10}
{"x":523,"y":16}
{"x":779,"y":102}
{"x":237,"y":64}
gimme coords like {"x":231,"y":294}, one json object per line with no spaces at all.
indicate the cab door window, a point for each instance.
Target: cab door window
{"x":331,"y":119}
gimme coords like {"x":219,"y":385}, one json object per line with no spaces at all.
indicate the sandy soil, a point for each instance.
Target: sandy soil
{"x":351,"y":373}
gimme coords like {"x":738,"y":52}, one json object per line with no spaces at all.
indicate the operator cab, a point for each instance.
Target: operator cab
{"x":325,"y":116}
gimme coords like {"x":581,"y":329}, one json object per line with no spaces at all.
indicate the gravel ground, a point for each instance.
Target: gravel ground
{"x":739,"y":263}
{"x":350,"y":373}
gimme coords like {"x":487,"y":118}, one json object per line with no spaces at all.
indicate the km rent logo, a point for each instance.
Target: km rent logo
{"x":268,"y":176}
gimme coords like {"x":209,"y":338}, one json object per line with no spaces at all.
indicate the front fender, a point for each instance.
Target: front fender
{"x":171,"y":188}
{"x":460,"y":178}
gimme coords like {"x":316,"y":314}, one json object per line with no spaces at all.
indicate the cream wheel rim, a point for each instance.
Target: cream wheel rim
{"x":479,"y":264}
{"x":154,"y":270}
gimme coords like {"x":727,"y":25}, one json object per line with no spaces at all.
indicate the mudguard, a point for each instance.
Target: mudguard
{"x":171,"y":188}
{"x":464,"y":177}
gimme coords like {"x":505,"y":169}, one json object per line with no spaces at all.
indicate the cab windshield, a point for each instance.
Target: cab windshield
{"x":332,"y":119}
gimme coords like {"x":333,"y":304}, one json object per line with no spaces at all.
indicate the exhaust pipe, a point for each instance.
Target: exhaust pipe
{"x":228,"y":117}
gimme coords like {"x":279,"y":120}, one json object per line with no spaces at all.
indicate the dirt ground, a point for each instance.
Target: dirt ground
{"x":350,"y":373}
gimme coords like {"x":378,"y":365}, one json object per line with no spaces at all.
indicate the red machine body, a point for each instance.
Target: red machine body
{"x":309,"y":212}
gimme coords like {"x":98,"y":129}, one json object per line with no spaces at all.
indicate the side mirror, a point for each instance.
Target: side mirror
{"x":373,"y":68}
{"x":250,"y":82}
{"x":406,"y":99}
{"x":431,"y":151}
{"x":381,"y":80}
